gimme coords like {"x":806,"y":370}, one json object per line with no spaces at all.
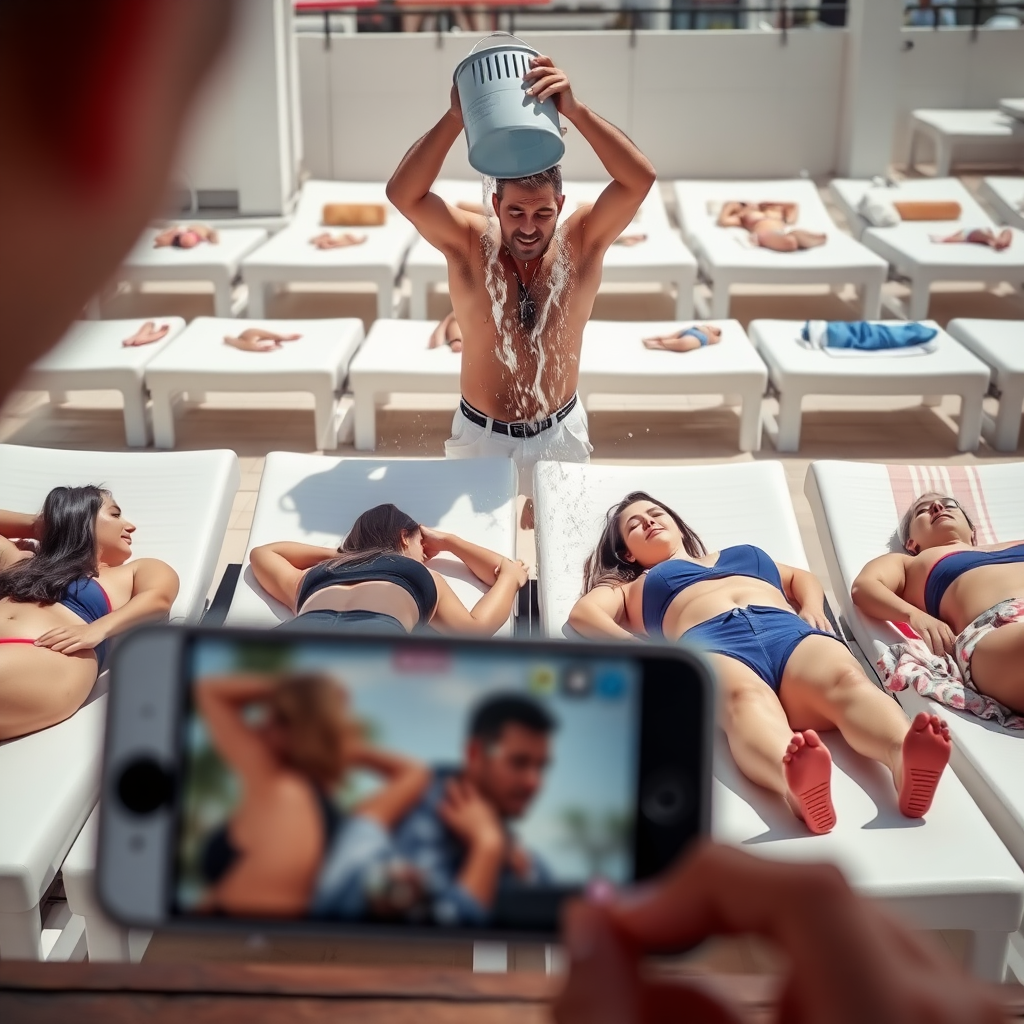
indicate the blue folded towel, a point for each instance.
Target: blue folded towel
{"x":867,"y":337}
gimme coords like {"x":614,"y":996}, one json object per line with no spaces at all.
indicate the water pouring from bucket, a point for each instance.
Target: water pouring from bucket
{"x":511,"y":134}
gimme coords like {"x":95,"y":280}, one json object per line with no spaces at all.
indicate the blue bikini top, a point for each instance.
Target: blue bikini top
{"x":88,"y":600}
{"x":667,"y":579}
{"x":951,"y":567}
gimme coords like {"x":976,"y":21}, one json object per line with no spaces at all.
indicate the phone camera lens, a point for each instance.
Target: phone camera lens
{"x":664,"y":800}
{"x":144,"y":786}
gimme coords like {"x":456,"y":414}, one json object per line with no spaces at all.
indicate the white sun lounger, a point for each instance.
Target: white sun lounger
{"x":395,"y":359}
{"x":1013,"y":107}
{"x":948,"y":871}
{"x":92,"y":358}
{"x":919,"y":261}
{"x":49,"y":781}
{"x":950,"y":129}
{"x":727,"y":257}
{"x":1000,"y":345}
{"x":289,"y":257}
{"x":315,"y":499}
{"x":1006,"y":195}
{"x":660,"y":259}
{"x":797,"y":371}
{"x":614,"y":361}
{"x":856,"y":517}
{"x":217,"y":263}
{"x":198,"y":361}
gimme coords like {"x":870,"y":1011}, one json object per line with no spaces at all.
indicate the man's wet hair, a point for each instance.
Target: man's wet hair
{"x":491,"y":716}
{"x":551,"y":178}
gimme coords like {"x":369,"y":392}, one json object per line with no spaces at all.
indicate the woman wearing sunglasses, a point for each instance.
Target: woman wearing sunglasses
{"x":962,"y":598}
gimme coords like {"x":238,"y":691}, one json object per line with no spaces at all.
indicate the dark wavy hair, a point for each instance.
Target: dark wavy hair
{"x":67,"y":547}
{"x":378,"y":531}
{"x":607,"y":564}
{"x":551,"y":178}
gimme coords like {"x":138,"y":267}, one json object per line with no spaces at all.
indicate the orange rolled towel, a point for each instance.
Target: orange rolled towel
{"x":352,"y":215}
{"x":925,"y":209}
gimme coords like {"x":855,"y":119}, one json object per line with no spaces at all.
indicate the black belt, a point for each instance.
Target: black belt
{"x":521,"y":428}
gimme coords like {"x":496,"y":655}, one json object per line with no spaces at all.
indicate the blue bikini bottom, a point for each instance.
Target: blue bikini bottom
{"x":761,"y":637}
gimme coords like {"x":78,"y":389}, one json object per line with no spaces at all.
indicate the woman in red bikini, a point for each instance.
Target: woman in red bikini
{"x":61,"y":604}
{"x":782,"y":674}
{"x":961,"y":597}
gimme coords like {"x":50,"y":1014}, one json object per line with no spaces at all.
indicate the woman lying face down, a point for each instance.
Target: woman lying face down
{"x":292,"y":741}
{"x":66,"y":588}
{"x":782,"y":675}
{"x":961,"y":598}
{"x":377,"y":580}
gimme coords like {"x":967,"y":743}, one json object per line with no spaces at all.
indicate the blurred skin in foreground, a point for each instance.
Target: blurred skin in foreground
{"x":848,"y":962}
{"x":93,"y":97}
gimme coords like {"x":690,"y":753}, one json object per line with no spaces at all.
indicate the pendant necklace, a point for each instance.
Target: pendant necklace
{"x":527,"y":305}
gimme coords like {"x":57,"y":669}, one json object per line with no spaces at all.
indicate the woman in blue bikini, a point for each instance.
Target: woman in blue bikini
{"x":960,"y":597}
{"x":64,"y":592}
{"x":686,"y":340}
{"x":782,"y":675}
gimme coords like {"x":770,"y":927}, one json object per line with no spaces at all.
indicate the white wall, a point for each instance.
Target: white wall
{"x":723,"y":104}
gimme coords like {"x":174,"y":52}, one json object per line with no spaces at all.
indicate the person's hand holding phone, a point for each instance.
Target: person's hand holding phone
{"x":849,"y":962}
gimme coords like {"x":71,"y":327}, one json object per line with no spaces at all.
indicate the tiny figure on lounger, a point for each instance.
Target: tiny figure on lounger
{"x":289,"y":763}
{"x":63,"y":599}
{"x":188,"y":237}
{"x":447,"y":332}
{"x":147,"y":334}
{"x":686,"y":340}
{"x":342,"y":240}
{"x":977,"y":236}
{"x":962,"y":598}
{"x":377,"y":580}
{"x":782,"y":675}
{"x":256,"y":339}
{"x":770,"y":225}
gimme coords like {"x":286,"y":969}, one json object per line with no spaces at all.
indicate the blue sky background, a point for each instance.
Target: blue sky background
{"x":421,"y":710}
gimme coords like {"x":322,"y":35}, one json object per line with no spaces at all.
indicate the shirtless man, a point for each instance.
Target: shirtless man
{"x":521,"y":352}
{"x":960,"y":597}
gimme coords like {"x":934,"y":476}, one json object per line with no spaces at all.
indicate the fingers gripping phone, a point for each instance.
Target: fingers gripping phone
{"x":409,"y":784}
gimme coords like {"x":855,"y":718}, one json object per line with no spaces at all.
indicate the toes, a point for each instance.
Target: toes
{"x":812,"y":738}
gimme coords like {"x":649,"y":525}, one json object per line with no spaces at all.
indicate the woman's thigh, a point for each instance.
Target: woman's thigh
{"x":820,"y":674}
{"x":997,"y":665}
{"x":742,"y":692}
{"x":40,"y":687}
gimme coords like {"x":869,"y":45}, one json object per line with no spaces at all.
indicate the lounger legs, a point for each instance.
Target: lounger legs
{"x":1006,"y":435}
{"x":21,"y":935}
{"x":385,"y":300}
{"x":684,"y":300}
{"x":971,"y":412}
{"x":719,"y":301}
{"x":987,"y":952}
{"x":788,"y":437}
{"x":366,"y":421}
{"x":870,"y":295}
{"x":324,"y":413}
{"x":257,"y":299}
{"x":751,"y":424}
{"x":163,"y":420}
{"x":222,"y":305}
{"x":418,"y":300}
{"x":136,"y":427}
{"x":58,"y":397}
{"x":920,"y":299}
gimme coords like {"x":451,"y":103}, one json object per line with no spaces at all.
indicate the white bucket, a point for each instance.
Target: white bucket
{"x":510,"y":134}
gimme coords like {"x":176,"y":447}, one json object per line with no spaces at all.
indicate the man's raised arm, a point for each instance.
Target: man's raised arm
{"x":443,"y":226}
{"x":632,"y":173}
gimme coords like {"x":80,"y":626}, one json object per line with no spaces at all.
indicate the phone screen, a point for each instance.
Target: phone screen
{"x":437,"y":785}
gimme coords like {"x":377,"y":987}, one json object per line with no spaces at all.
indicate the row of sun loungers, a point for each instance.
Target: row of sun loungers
{"x":720,"y":257}
{"x":949,"y":871}
{"x":332,"y":357}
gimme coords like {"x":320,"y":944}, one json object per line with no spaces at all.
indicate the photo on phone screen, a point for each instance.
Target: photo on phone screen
{"x":434,"y":786}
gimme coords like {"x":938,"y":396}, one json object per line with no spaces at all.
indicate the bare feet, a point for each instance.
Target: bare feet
{"x":630,"y":240}
{"x":808,"y":239}
{"x":686,"y":340}
{"x":147,"y":334}
{"x":255,"y":339}
{"x":808,"y":767}
{"x":978,"y":236}
{"x":926,"y":750}
{"x":325,"y":240}
{"x":447,"y":332}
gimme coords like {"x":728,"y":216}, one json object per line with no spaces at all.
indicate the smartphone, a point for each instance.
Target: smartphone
{"x":393,"y":785}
